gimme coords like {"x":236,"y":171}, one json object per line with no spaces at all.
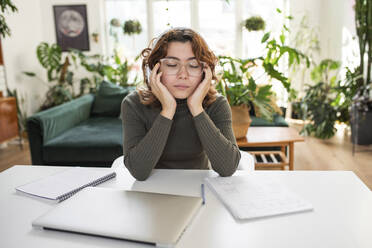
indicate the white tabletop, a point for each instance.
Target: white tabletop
{"x":342,"y":215}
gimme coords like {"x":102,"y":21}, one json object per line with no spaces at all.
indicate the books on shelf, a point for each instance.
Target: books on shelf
{"x":249,"y":196}
{"x":63,"y":185}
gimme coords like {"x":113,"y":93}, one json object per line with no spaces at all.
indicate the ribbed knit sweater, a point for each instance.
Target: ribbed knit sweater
{"x":185,"y":142}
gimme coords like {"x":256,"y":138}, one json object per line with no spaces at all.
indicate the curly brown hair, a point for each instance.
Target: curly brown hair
{"x":159,"y":49}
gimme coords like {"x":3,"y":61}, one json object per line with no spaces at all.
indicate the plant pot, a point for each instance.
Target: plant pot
{"x":361,"y":132}
{"x":240,"y":120}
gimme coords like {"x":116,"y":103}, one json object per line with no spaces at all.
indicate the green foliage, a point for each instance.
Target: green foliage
{"x":306,"y":40}
{"x":61,"y":76}
{"x":50,"y":58}
{"x":362,"y":101}
{"x":363,"y":24}
{"x":117,"y":71}
{"x":320,"y":102}
{"x":346,"y":90}
{"x":132,"y":27}
{"x":239,"y":86}
{"x":254,"y":23}
{"x":115,"y":22}
{"x":319,"y":109}
{"x":5,"y":6}
{"x":276,"y":50}
{"x":321,"y":72}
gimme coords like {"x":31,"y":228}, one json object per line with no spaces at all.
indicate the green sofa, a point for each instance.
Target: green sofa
{"x":86,"y":131}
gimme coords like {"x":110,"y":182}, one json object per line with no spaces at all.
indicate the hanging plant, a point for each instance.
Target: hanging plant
{"x":254,"y":23}
{"x":132,"y":27}
{"x":115,"y":22}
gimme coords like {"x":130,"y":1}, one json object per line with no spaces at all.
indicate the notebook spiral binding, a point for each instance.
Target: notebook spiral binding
{"x":94,"y":183}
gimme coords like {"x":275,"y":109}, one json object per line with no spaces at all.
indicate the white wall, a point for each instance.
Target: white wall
{"x":32,"y":24}
{"x":330,"y":16}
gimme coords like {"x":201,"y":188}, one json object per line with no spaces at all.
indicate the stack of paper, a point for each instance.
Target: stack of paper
{"x":250,"y":196}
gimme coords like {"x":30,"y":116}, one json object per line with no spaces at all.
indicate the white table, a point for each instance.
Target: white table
{"x":342,"y":215}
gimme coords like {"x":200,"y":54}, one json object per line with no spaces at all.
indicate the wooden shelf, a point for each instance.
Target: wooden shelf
{"x":270,"y":159}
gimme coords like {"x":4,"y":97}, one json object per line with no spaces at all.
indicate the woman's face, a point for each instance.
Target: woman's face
{"x":181,"y":72}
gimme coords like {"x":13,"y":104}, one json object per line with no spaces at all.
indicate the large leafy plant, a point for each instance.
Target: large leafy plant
{"x":114,"y":70}
{"x":240,"y":88}
{"x":320,"y":102}
{"x":237,"y":81}
{"x":277,"y":51}
{"x":60,"y":75}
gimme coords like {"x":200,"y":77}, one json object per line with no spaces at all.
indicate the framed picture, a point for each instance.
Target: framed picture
{"x":71,"y":26}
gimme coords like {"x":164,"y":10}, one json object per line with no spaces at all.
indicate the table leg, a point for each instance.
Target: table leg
{"x":291,"y":153}
{"x":282,"y":149}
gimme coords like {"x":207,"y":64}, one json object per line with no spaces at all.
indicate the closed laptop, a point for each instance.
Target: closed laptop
{"x":152,"y":218}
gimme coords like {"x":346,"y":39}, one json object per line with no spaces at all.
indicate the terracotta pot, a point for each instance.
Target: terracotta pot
{"x":240,"y":120}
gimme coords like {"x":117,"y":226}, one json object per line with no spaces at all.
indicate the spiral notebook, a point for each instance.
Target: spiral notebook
{"x":62,"y":185}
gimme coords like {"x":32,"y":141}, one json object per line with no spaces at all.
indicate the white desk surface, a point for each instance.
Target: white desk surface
{"x":342,"y":216}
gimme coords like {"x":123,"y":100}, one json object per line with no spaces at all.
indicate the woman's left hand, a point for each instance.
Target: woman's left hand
{"x":195,"y":100}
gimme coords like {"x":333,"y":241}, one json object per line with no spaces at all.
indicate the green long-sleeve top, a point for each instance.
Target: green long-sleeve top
{"x":185,"y":142}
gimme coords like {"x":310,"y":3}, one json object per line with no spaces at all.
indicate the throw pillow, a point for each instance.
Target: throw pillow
{"x":108,"y":99}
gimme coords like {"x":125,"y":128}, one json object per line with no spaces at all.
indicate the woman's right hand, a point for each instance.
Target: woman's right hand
{"x":161,"y":92}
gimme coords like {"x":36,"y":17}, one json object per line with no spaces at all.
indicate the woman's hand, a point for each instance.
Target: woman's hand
{"x":161,"y":92}
{"x":195,"y":100}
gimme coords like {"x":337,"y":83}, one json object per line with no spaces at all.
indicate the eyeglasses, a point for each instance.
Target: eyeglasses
{"x":173,"y":66}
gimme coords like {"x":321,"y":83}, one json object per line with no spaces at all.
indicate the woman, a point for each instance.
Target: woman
{"x":177,"y":120}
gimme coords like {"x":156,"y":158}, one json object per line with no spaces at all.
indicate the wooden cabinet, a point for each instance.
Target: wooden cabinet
{"x":8,"y":119}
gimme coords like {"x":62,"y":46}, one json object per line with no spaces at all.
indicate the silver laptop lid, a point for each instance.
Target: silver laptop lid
{"x":131,"y":215}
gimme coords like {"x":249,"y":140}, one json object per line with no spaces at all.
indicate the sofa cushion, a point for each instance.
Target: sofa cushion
{"x":96,"y":139}
{"x":278,"y":121}
{"x":108,"y":99}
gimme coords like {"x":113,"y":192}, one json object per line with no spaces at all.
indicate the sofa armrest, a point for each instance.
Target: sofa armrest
{"x":48,"y":124}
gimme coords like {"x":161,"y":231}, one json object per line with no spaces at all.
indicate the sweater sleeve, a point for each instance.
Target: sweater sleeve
{"x":217,"y":138}
{"x":141,"y":148}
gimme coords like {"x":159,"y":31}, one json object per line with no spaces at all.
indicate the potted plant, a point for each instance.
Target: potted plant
{"x":319,"y":103}
{"x":254,"y":23}
{"x":132,"y":27}
{"x":240,"y":89}
{"x":239,"y":86}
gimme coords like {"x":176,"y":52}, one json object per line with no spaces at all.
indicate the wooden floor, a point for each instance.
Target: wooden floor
{"x":313,"y":154}
{"x":335,"y":154}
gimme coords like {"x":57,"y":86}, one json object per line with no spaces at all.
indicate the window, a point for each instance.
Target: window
{"x":216,"y":20}
{"x":127,"y":46}
{"x":217,"y":25}
{"x":170,"y":14}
